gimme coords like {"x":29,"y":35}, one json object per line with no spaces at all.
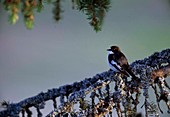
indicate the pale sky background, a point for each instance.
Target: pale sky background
{"x":53,"y":54}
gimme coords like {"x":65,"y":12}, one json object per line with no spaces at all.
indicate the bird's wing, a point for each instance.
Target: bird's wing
{"x":122,"y":60}
{"x":112,"y":61}
{"x":116,"y":65}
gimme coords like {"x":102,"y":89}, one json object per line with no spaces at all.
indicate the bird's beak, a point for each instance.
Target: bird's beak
{"x":108,"y":49}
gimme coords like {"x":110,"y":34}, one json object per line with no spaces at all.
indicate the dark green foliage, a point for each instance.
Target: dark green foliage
{"x":94,"y":9}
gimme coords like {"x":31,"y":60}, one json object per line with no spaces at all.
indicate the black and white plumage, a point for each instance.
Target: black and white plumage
{"x":118,"y":62}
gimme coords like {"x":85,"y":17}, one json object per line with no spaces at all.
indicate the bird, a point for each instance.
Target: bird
{"x":118,"y":62}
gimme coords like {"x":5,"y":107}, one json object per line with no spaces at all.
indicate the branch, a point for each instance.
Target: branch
{"x":162,"y":72}
{"x":149,"y":69}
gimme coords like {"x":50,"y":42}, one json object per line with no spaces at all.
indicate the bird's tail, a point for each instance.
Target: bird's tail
{"x":134,"y":77}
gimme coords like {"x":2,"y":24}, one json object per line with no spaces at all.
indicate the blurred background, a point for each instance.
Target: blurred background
{"x":54,"y":54}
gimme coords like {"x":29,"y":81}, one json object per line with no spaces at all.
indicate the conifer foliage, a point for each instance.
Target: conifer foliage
{"x":94,"y":9}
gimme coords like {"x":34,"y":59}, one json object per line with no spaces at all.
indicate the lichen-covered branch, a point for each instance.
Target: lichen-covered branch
{"x":151,"y":70}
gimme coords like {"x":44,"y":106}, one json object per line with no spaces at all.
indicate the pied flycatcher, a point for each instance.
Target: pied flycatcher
{"x":118,"y":62}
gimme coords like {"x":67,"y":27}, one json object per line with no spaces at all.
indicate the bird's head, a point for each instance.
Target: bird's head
{"x":114,"y":49}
